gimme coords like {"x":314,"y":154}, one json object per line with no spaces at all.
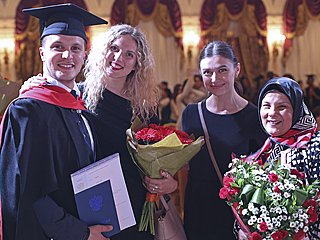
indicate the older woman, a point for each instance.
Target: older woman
{"x":292,"y":130}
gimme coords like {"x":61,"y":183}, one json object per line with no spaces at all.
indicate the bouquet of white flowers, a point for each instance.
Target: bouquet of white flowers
{"x":270,"y":201}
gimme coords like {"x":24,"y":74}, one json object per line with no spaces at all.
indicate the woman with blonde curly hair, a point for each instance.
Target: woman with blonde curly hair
{"x":139,"y":85}
{"x":120,"y":85}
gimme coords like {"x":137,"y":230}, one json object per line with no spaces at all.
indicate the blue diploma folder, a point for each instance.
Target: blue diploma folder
{"x":96,"y":206}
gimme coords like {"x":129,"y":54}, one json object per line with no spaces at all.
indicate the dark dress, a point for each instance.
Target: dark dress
{"x":112,"y":119}
{"x":207,"y":216}
{"x":42,"y":145}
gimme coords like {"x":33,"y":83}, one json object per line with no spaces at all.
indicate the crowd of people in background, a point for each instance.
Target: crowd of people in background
{"x":171,"y":107}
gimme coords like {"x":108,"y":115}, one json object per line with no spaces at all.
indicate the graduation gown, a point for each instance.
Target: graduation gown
{"x":41,"y":146}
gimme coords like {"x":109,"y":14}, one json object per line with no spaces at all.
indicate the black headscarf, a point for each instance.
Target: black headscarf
{"x":288,"y":87}
{"x":303,"y":123}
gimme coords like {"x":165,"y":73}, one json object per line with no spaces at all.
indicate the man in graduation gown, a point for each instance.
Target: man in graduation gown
{"x":46,"y":136}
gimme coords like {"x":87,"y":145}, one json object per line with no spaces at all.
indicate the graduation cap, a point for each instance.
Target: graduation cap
{"x":65,"y":19}
{"x":310,"y":75}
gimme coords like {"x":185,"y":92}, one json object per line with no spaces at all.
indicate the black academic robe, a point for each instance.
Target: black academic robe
{"x":41,"y":146}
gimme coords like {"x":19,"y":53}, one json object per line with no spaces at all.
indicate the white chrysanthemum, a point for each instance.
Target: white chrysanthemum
{"x":250,"y":222}
{"x":267,"y":219}
{"x":284,"y":217}
{"x":306,"y":229}
{"x":246,"y":175}
{"x":259,"y":220}
{"x":235,"y":160}
{"x":274,"y":220}
{"x":254,"y":218}
{"x":270,"y":226}
{"x":263,"y":208}
{"x":286,"y":181}
{"x":300,"y":211}
{"x":278,"y":210}
{"x":280,"y":218}
{"x":292,"y":224}
{"x":263,"y":215}
{"x":301,"y":225}
{"x":295,"y":215}
{"x":258,"y":185}
{"x":278,"y":224}
{"x":287,"y":186}
{"x":272,"y":210}
{"x":250,"y":206}
{"x":279,"y":197}
{"x":292,"y":187}
{"x":287,"y":195}
{"x":245,"y":211}
{"x":281,"y":187}
{"x":255,"y":211}
{"x":258,"y":178}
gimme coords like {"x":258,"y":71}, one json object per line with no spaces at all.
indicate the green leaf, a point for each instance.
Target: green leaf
{"x":301,"y":196}
{"x":258,"y":197}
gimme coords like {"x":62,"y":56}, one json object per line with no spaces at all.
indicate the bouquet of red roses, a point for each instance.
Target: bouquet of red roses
{"x":156,"y":148}
{"x":270,"y":201}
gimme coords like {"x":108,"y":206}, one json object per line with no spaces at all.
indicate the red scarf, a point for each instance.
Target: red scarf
{"x":292,"y":139}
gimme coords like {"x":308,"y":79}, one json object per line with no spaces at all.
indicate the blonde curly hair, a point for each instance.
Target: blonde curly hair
{"x":140,"y":86}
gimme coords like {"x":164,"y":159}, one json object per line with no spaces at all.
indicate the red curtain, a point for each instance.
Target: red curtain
{"x":27,"y":43}
{"x":296,"y":15}
{"x":130,"y":11}
{"x":235,"y":9}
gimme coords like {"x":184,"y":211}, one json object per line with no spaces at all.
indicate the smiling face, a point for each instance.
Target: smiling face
{"x":276,"y":113}
{"x":62,"y":57}
{"x":218,"y":74}
{"x":121,"y":57}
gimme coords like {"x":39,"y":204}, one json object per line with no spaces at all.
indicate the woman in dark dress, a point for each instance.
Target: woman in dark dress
{"x":233,"y":127}
{"x":120,"y":85}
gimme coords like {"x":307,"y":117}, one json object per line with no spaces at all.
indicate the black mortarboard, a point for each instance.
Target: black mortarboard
{"x":65,"y":19}
{"x":310,"y":75}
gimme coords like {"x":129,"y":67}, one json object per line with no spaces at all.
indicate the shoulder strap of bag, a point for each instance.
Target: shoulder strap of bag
{"x":204,"y":127}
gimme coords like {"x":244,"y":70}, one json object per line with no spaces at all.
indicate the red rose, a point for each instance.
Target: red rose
{"x":312,"y":202}
{"x":277,"y":235}
{"x":224,"y":192}
{"x":284,"y":233}
{"x":256,"y":236}
{"x":273,"y":178}
{"x":227,"y":180}
{"x":305,"y":204}
{"x":313,"y":218}
{"x":299,"y":235}
{"x":311,"y":210}
{"x":263,"y":227}
{"x":234,"y":190}
{"x":294,"y":172}
{"x":276,"y":189}
{"x":302,"y":176}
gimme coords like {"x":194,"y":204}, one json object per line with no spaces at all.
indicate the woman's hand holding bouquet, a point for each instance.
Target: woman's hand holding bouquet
{"x":155,"y":149}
